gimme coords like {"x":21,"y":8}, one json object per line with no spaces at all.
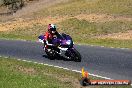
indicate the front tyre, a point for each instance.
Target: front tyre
{"x":76,"y":55}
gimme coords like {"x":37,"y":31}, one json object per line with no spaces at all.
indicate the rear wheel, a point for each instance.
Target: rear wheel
{"x":51,"y":54}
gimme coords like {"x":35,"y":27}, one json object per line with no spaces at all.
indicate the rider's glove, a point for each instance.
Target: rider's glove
{"x":49,"y":44}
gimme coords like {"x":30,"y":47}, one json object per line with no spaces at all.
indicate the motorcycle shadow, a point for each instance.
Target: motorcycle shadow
{"x":58,"y":58}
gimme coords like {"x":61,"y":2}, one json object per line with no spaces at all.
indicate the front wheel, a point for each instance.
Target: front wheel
{"x":75,"y":55}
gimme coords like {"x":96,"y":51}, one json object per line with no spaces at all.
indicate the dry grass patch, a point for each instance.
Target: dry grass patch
{"x":25,"y":70}
{"x":120,"y":36}
{"x":21,"y":23}
{"x":102,"y":17}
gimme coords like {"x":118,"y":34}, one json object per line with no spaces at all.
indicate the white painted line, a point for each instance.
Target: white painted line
{"x":66,"y":69}
{"x":6,"y":57}
{"x":76,"y":71}
{"x":24,"y":60}
{"x":35,"y":62}
{"x":91,"y":45}
{"x":45,"y":64}
{"x":94,"y":75}
{"x":124,"y":48}
{"x":104,"y":46}
{"x":99,"y":76}
{"x":23,"y":40}
{"x":58,"y":67}
{"x":41,"y":63}
{"x":101,"y":46}
{"x":28,"y":61}
{"x":48,"y":65}
{"x":19,"y":59}
{"x":112,"y":47}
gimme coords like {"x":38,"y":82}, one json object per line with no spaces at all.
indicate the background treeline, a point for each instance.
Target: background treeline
{"x":13,"y":5}
{"x":9,"y":2}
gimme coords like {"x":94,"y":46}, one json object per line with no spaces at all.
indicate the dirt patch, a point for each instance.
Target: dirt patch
{"x":38,"y":5}
{"x":30,"y":8}
{"x":26,"y":12}
{"x":21,"y":23}
{"x":74,"y":82}
{"x":102,"y":17}
{"x":13,"y":24}
{"x":121,"y":36}
{"x":2,"y":9}
{"x":25,"y":70}
{"x":66,"y":79}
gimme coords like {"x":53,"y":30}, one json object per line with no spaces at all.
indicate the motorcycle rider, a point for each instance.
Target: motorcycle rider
{"x":50,"y":34}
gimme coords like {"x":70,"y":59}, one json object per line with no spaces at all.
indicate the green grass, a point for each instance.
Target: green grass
{"x":82,"y":31}
{"x":108,"y":42}
{"x":27,"y":33}
{"x":75,"y":7}
{"x":85,"y":27}
{"x":19,"y":74}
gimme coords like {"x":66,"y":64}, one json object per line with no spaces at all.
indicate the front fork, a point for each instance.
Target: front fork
{"x":45,"y":45}
{"x":69,"y":53}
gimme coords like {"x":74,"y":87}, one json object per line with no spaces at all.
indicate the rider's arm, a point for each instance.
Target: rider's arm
{"x":47,"y":39}
{"x":47,"y":42}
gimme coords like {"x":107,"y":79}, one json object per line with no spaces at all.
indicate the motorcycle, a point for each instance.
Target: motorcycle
{"x":62,"y":46}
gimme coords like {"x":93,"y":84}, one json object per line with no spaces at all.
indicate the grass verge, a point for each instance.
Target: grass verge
{"x":18,"y":74}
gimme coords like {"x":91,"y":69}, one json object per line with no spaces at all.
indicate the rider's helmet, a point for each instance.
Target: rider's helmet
{"x":52,"y":28}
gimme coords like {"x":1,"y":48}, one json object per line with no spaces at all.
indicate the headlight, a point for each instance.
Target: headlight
{"x":68,"y":42}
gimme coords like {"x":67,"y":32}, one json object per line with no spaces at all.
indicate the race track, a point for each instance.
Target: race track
{"x":108,"y":62}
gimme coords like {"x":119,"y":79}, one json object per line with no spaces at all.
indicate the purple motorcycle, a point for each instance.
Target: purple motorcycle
{"x":61,"y":46}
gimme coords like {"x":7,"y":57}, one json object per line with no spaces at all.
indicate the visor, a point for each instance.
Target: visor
{"x":53,"y":29}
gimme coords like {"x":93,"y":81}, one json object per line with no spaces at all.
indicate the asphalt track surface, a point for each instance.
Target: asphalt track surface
{"x":107,"y":62}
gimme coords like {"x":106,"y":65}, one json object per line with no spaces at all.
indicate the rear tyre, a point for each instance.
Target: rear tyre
{"x":51,"y":54}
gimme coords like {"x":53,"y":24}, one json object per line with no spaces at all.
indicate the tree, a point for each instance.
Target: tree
{"x":13,"y":5}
